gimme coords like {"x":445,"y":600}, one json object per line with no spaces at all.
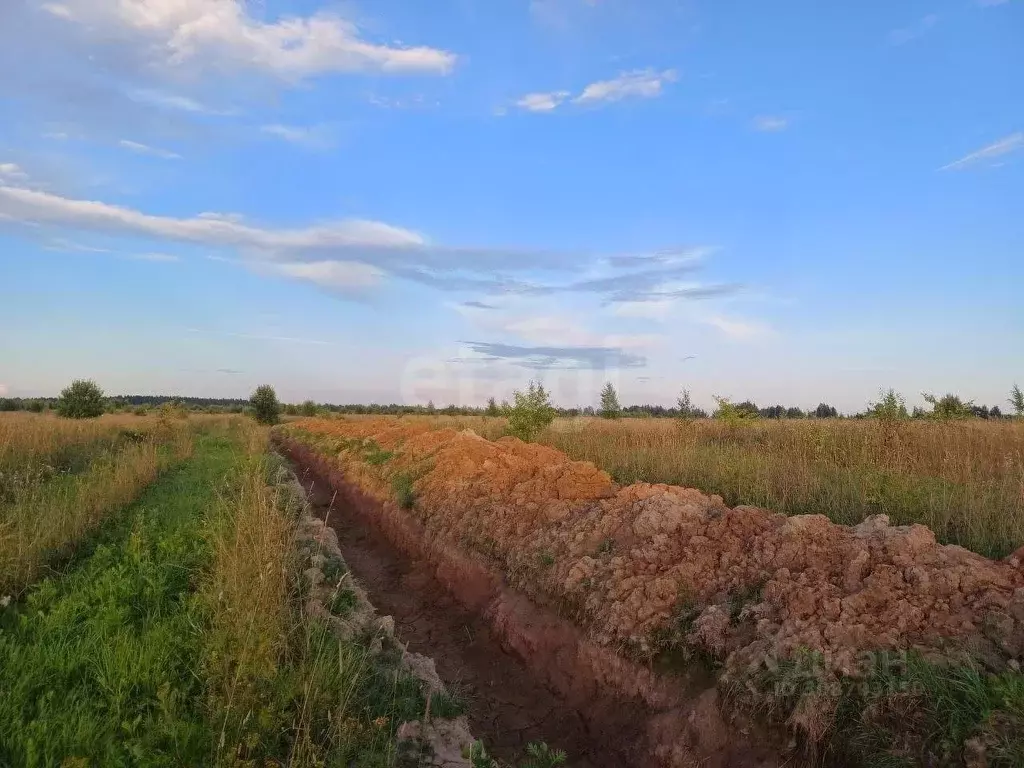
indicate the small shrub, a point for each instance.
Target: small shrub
{"x":530,"y":412}
{"x":265,"y":407}
{"x":35,"y":406}
{"x":1017,"y":400}
{"x":82,"y":399}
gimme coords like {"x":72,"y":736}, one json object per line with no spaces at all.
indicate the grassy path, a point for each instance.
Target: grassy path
{"x":100,"y":666}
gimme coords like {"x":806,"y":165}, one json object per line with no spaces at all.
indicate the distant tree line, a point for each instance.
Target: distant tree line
{"x":891,"y":406}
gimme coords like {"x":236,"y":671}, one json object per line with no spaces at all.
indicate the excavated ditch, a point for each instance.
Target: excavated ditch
{"x":527,"y":674}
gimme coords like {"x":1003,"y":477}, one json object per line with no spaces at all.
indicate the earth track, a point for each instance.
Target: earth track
{"x":508,"y":708}
{"x":527,"y":674}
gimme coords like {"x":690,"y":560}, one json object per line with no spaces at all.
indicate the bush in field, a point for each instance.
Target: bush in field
{"x":949,"y":407}
{"x":890,"y":408}
{"x":530,"y":412}
{"x":82,"y":399}
{"x":610,"y":408}
{"x":308,"y":408}
{"x":35,"y":406}
{"x":492,"y":408}
{"x":1017,"y":400}
{"x":733,"y":414}
{"x":265,"y":407}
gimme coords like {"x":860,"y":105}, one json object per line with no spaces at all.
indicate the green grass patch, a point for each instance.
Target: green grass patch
{"x":402,"y":486}
{"x":100,"y":663}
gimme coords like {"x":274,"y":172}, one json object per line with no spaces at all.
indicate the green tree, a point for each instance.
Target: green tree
{"x":430,"y":407}
{"x":610,"y":402}
{"x":36,"y":406}
{"x":82,"y":399}
{"x":891,"y":407}
{"x":794,"y":413}
{"x":948,"y":406}
{"x":1017,"y":400}
{"x":530,"y":412}
{"x":687,"y":411}
{"x":265,"y":407}
{"x":492,"y":408}
{"x":308,"y":408}
{"x":825,"y":411}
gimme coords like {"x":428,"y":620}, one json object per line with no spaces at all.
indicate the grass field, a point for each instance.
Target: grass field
{"x":963,"y":479}
{"x":160,"y":622}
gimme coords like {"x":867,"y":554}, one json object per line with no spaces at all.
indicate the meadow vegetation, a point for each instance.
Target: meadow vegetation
{"x":963,"y":478}
{"x":153,"y":606}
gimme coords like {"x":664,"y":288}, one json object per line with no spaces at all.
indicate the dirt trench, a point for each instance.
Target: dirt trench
{"x":525,"y":673}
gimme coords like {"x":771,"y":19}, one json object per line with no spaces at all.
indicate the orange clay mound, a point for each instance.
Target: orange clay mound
{"x":626,"y":562}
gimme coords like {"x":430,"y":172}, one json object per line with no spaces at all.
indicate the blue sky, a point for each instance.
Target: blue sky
{"x":408,"y":201}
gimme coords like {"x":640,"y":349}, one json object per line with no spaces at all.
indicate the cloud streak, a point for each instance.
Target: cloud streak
{"x":636,"y":84}
{"x":543,"y":358}
{"x":770,"y":123}
{"x":144,"y":149}
{"x":1004,"y":146}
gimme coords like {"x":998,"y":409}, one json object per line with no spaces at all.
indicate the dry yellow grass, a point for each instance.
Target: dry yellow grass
{"x":59,"y":478}
{"x":963,"y":479}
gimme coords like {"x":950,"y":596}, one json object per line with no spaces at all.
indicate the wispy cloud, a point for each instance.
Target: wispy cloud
{"x":174,"y":101}
{"x":770,"y":123}
{"x":542,"y":102}
{"x":229,"y":371}
{"x":225,"y":35}
{"x":145,"y":149}
{"x":355,"y":255}
{"x":311,"y":137}
{"x":918,"y":29}
{"x":11,"y":172}
{"x":1004,"y":146}
{"x":640,"y":83}
{"x":637,"y":84}
{"x":477,"y":305}
{"x":346,"y":276}
{"x":553,"y":357}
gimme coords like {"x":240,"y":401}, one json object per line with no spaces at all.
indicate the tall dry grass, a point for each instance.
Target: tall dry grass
{"x":282,"y":688}
{"x":964,"y":480}
{"x":59,"y":479}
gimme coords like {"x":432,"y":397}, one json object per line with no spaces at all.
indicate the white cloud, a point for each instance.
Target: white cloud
{"x":917,"y":29}
{"x":145,"y":149}
{"x":206,"y":229}
{"x":542,"y":102}
{"x":338,"y":275}
{"x":1004,"y":146}
{"x":311,"y":137}
{"x":770,"y":123}
{"x":640,"y":83}
{"x":223,"y":33}
{"x":174,"y":101}
{"x":11,"y":172}
{"x":735,"y":328}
